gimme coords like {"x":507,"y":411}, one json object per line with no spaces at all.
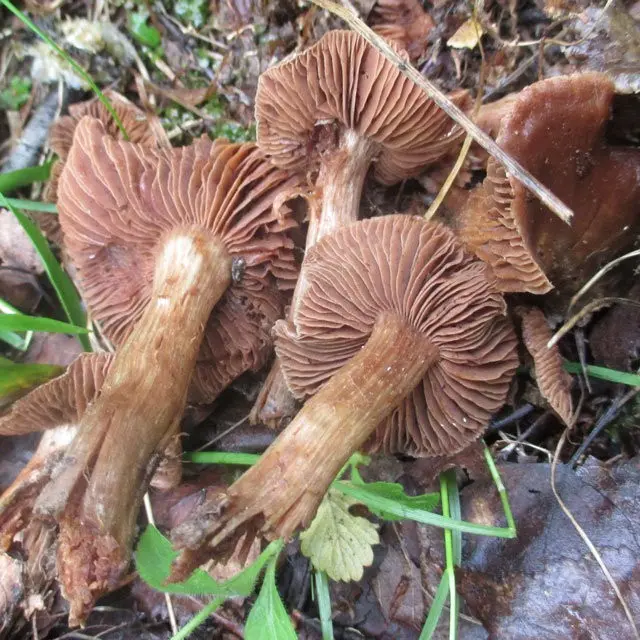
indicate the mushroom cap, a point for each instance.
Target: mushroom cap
{"x":141,"y":127}
{"x":556,"y":130}
{"x":553,"y":381}
{"x":343,"y":80}
{"x":404,"y":23}
{"x":60,"y":401}
{"x":119,"y":201}
{"x":419,"y":271}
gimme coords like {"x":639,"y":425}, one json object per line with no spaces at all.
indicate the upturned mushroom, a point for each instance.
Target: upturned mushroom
{"x":160,"y":238}
{"x":341,"y":108}
{"x":402,"y":338}
{"x":557,"y":130}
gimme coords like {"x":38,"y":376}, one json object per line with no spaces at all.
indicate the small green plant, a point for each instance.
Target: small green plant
{"x":142,"y":31}
{"x":154,"y":554}
{"x":16,"y":94}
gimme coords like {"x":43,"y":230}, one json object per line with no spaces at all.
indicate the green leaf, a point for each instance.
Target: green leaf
{"x":362,"y":493}
{"x":155,"y":554}
{"x":13,"y":180}
{"x":141,"y":31}
{"x":21,"y":322}
{"x":338,"y":542}
{"x":395,"y":491}
{"x":611,"y":375}
{"x":61,"y":282}
{"x":17,"y":378}
{"x":221,"y":457}
{"x":16,"y":341}
{"x":268,"y":619}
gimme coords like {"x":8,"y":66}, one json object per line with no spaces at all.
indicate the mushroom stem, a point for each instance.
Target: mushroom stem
{"x":134,"y":418}
{"x":283,"y":490}
{"x":342,"y":177}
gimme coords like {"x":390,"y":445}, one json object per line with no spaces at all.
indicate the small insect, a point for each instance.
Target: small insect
{"x":238,"y":265}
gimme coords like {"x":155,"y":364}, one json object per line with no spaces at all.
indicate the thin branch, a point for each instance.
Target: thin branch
{"x":512,"y":166}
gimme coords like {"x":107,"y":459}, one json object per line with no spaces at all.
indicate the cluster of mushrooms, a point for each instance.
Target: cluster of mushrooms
{"x":395,"y":330}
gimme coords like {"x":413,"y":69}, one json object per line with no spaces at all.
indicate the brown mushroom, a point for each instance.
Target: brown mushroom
{"x":404,"y":23}
{"x":341,"y":106}
{"x":159,"y":238}
{"x":553,"y":381}
{"x":141,"y":127}
{"x":55,"y":408}
{"x":556,"y":130}
{"x":402,"y":338}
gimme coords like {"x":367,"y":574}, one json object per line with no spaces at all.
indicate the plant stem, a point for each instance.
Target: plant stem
{"x":449,"y":564}
{"x":106,"y":470}
{"x":283,"y":490}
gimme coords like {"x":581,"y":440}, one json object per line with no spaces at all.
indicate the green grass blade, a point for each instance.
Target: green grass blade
{"x":13,"y":180}
{"x":439,"y":600}
{"x":32,"y":205}
{"x":76,"y":67}
{"x":198,"y":619}
{"x":611,"y":375}
{"x":16,"y":341}
{"x":324,"y":604}
{"x":222,"y":457}
{"x":21,"y":322}
{"x":61,"y":282}
{"x":455,"y":512}
{"x":449,"y":564}
{"x":504,"y":498}
{"x":425,"y":517}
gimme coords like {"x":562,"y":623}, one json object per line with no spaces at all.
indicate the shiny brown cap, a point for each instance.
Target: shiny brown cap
{"x":118,"y":201}
{"x":404,"y":23}
{"x":556,"y":130}
{"x":60,"y":401}
{"x":553,"y":381}
{"x":418,"y":270}
{"x":343,"y":82}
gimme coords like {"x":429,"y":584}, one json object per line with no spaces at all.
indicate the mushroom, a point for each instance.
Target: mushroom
{"x":556,"y":130}
{"x":404,"y":23}
{"x":402,"y":337}
{"x":553,"y":381}
{"x":160,"y":239}
{"x":339,"y":107}
{"x":141,"y":128}
{"x":55,"y":408}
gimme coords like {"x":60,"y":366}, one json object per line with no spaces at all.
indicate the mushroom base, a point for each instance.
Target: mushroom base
{"x":281,"y":493}
{"x":97,"y":492}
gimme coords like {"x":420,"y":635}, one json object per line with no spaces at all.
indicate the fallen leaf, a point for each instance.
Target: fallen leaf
{"x":338,"y":542}
{"x":467,"y":36}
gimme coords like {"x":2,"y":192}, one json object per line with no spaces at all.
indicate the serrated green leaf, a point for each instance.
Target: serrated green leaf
{"x":337,"y":542}
{"x":268,"y":619}
{"x":155,"y":554}
{"x":395,"y":491}
{"x":15,"y":379}
{"x":22,"y":322}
